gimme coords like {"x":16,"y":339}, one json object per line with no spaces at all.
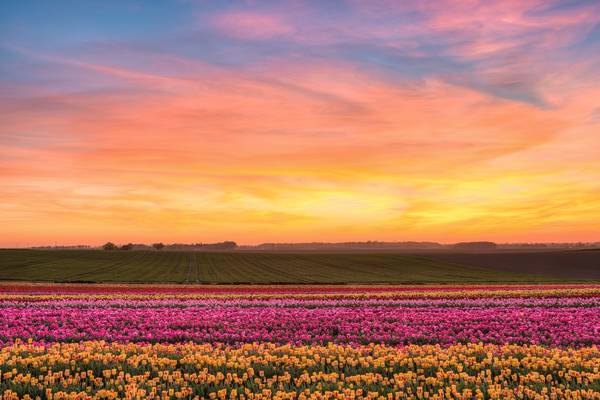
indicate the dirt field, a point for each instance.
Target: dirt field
{"x":565,"y":264}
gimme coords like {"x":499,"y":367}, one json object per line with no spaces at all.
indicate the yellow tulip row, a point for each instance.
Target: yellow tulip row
{"x":426,"y":294}
{"x":102,"y":370}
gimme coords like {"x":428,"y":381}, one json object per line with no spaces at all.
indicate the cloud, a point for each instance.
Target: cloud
{"x":419,"y":117}
{"x":248,"y":25}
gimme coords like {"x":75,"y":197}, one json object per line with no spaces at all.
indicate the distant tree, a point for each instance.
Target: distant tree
{"x":476,"y":245}
{"x":109,"y":246}
{"x":227,"y":245}
{"x":127,"y":246}
{"x":158,"y":246}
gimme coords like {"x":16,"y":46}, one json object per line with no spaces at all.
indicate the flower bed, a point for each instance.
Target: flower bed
{"x":308,"y":342}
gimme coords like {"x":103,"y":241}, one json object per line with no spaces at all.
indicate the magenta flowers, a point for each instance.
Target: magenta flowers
{"x":534,"y":316}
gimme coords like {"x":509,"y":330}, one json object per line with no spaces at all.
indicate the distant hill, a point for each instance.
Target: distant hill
{"x":227,"y":245}
{"x":475,"y":246}
{"x":369,"y":245}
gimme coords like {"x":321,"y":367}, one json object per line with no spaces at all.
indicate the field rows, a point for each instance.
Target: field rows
{"x":202,"y":267}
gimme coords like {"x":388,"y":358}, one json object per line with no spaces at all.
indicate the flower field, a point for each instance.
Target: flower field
{"x":300,"y":342}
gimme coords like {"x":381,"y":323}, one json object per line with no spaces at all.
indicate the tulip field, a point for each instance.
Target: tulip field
{"x":123,"y":341}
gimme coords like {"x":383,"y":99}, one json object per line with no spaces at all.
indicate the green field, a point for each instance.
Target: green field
{"x":203,"y":267}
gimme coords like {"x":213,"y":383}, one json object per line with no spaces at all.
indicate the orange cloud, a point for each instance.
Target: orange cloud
{"x":448,"y":121}
{"x":240,"y":155}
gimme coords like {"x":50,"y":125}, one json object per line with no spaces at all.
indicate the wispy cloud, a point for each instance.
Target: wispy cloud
{"x":249,"y":25}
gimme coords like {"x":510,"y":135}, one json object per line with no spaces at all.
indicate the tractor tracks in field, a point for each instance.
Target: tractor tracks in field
{"x":188,"y":273}
{"x":192,"y":274}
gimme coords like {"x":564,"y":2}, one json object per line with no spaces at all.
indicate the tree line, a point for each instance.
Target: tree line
{"x":226,"y":245}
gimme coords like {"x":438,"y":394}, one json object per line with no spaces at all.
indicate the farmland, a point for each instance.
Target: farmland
{"x":77,"y":341}
{"x":403,"y":326}
{"x":569,"y":264}
{"x":204,"y":267}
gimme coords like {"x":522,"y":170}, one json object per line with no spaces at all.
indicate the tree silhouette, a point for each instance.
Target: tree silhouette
{"x":109,"y":246}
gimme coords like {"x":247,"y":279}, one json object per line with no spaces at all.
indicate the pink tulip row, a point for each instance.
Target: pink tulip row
{"x":299,"y":302}
{"x":565,"y":323}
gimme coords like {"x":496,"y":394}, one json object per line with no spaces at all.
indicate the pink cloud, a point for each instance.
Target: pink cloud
{"x":252,"y":25}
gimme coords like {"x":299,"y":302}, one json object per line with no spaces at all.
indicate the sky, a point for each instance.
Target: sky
{"x":260,"y":121}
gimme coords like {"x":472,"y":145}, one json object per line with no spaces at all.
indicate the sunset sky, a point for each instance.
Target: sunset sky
{"x":258,"y":121}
